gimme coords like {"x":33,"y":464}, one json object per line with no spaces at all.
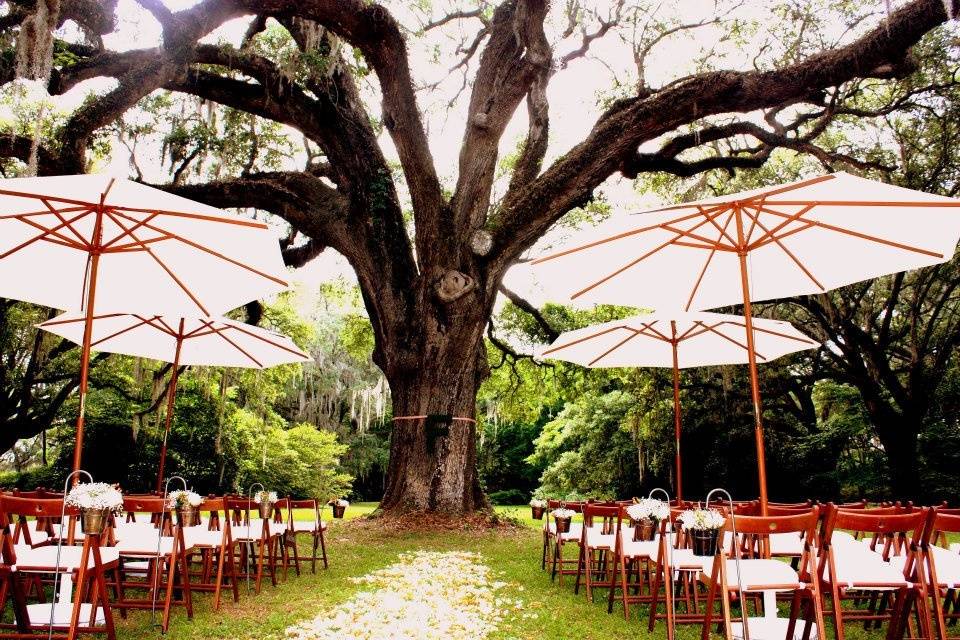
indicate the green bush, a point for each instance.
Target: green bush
{"x":509,"y":497}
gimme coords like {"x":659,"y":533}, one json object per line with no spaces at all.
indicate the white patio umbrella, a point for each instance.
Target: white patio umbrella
{"x":182,"y":341}
{"x":105,"y":244}
{"x":677,"y":340}
{"x":806,"y":237}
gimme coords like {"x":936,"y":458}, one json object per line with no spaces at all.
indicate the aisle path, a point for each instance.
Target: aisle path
{"x":427,"y":595}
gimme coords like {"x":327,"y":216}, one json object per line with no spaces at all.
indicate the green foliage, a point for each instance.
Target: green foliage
{"x":587,"y":448}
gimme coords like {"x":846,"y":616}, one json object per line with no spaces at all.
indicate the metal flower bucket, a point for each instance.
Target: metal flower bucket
{"x":93,"y":521}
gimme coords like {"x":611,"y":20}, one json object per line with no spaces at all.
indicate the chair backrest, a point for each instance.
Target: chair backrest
{"x":939,"y":523}
{"x":898,"y":528}
{"x":308,"y":503}
{"x":606,"y":517}
{"x":786,"y":510}
{"x":576,"y":507}
{"x":849,"y":506}
{"x":756,"y":530}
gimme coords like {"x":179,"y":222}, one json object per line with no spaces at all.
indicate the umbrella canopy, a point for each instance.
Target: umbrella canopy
{"x":156,"y":252}
{"x":99,"y":243}
{"x":676,"y":340}
{"x":182,"y":341}
{"x":800,"y":238}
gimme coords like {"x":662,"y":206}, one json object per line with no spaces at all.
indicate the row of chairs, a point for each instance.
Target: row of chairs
{"x":848,"y":563}
{"x":63,"y":583}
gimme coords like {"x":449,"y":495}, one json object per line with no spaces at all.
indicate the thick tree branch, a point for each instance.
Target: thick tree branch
{"x":524,"y":305}
{"x":527,"y":214}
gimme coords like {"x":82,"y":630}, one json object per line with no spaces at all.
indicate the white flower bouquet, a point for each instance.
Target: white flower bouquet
{"x":649,"y":509}
{"x":96,"y":496}
{"x":537,"y":503}
{"x":340,"y":502}
{"x":702,"y":519}
{"x":183,"y":499}
{"x":563,"y":512}
{"x":265,"y":497}
{"x":562,"y":517}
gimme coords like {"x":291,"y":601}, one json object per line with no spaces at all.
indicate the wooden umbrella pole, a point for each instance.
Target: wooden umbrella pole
{"x":752,"y":359}
{"x":676,"y":409}
{"x":171,"y":397}
{"x":87,"y":332}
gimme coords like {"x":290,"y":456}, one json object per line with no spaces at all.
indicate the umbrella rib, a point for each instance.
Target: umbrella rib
{"x":54,"y":322}
{"x":613,"y":238}
{"x":27,"y":243}
{"x":714,"y":329}
{"x":784,"y":248}
{"x":54,"y":233}
{"x":771,"y":332}
{"x":200,"y":247}
{"x":635,"y":262}
{"x":109,"y":244}
{"x":706,"y":265}
{"x":647,"y":329}
{"x":723,"y":231}
{"x":793,"y":217}
{"x":45,"y":212}
{"x":162,"y":265}
{"x":586,"y":338}
{"x":603,"y":355}
{"x":864,"y":236}
{"x":259,"y":337}
{"x":219,"y":332}
{"x":181,"y":214}
{"x":765,"y":194}
{"x":765,"y":240}
{"x":140,"y":322}
{"x":60,"y":217}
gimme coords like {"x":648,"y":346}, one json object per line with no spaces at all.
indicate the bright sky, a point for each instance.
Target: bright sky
{"x":573,"y":96}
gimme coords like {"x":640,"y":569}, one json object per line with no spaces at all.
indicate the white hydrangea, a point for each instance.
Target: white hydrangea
{"x":269,"y":497}
{"x":563,"y":513}
{"x":539,"y":504}
{"x":182,"y":498}
{"x":97,"y":496}
{"x":702,"y":519}
{"x":649,"y":508}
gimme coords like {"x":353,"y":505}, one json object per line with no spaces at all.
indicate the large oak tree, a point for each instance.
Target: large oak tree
{"x":429,"y":288}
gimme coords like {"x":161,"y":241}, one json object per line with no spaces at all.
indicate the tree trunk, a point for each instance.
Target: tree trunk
{"x":900,"y":444}
{"x":433,"y":448}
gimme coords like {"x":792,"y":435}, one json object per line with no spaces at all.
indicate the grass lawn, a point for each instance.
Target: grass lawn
{"x":550,"y":611}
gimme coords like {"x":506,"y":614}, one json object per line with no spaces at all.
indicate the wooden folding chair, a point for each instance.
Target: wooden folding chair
{"x":851,"y":569}
{"x":598,"y":541}
{"x":750,"y":569}
{"x":213,"y":541}
{"x":153,"y":558}
{"x":633,"y":566}
{"x":942,"y":570}
{"x":564,"y":566}
{"x":259,"y":545}
{"x":81,"y":603}
{"x":314,"y":528}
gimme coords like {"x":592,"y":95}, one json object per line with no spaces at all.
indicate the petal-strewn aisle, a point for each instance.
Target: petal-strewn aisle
{"x":426,"y":595}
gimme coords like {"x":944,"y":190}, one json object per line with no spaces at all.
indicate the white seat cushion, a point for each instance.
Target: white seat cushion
{"x":145,"y":545}
{"x":306,"y":526}
{"x":758,"y":574}
{"x":200,"y":536}
{"x":639,"y":548}
{"x":859,"y":568}
{"x":947,"y":564}
{"x":684,"y":560}
{"x":44,"y":559}
{"x":598,"y":540}
{"x":786,"y":544}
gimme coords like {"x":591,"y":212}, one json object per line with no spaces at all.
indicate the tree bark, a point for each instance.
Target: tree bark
{"x":433,"y":447}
